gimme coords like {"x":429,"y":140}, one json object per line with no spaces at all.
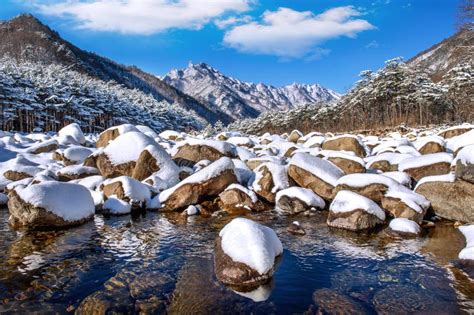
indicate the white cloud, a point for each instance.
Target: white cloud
{"x":143,"y":16}
{"x":232,"y":20}
{"x":372,"y":44}
{"x":292,"y":34}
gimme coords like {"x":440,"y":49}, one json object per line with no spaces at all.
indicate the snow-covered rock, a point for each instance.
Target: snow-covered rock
{"x":354,"y":212}
{"x":293,"y":200}
{"x":245,"y":253}
{"x":195,"y":150}
{"x":468,"y":251}
{"x":74,"y":131}
{"x":237,"y":197}
{"x":404,"y":227}
{"x":465,"y":164}
{"x":116,"y":206}
{"x":427,"y":165}
{"x":50,"y":205}
{"x":72,"y":172}
{"x":210,"y":181}
{"x":269,"y":179}
{"x":314,"y":173}
{"x":372,"y":186}
{"x":127,"y":189}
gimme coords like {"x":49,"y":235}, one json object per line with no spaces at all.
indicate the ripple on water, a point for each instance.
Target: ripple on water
{"x":163,"y":261}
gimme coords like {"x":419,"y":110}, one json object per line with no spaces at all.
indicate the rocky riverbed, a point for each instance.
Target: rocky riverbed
{"x":133,"y":221}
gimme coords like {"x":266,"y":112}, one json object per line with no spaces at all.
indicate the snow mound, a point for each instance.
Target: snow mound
{"x":77,"y":153}
{"x":114,"y":205}
{"x":72,"y":202}
{"x":72,"y":130}
{"x":251,"y":243}
{"x":303,"y":194}
{"x":322,"y":169}
{"x":404,"y":225}
{"x":347,"y":201}
{"x":468,"y":251}
{"x":77,"y":170}
{"x":466,"y":155}
{"x":127,"y":147}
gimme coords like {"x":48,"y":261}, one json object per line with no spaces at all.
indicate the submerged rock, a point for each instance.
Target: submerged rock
{"x":329,"y":301}
{"x":295,"y":228}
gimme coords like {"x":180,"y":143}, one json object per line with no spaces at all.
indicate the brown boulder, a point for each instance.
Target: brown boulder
{"x":200,"y":186}
{"x":418,"y":173}
{"x":431,"y":147}
{"x":236,"y":200}
{"x":344,"y":143}
{"x":147,"y":164}
{"x":198,"y":152}
{"x":265,"y":185}
{"x":356,"y":220}
{"x":465,"y":171}
{"x":46,"y":146}
{"x":294,"y":136}
{"x":330,"y":301}
{"x":399,"y":209}
{"x":109,"y":170}
{"x":348,"y":166}
{"x":450,"y":133}
{"x":450,"y":200}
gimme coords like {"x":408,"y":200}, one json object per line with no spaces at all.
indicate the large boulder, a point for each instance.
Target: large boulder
{"x":195,"y":150}
{"x":465,"y":164}
{"x":403,"y":228}
{"x":120,"y":156}
{"x":245,"y":253}
{"x":354,"y":212}
{"x":50,"y":205}
{"x":386,"y":161}
{"x":450,"y":199}
{"x":72,"y":155}
{"x":112,"y":133}
{"x":427,"y":165}
{"x":236,"y":198}
{"x":430,"y":145}
{"x":127,"y":189}
{"x":314,"y":173}
{"x":269,"y":179}
{"x":151,"y":160}
{"x":372,"y":186}
{"x":401,"y":202}
{"x":455,"y":131}
{"x":345,"y":143}
{"x":297,"y":199}
{"x":206,"y":183}
{"x":348,"y":163}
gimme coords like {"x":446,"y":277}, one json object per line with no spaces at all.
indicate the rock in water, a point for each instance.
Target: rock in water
{"x":296,"y":199}
{"x":236,"y":198}
{"x":401,"y":227}
{"x":245,"y":253}
{"x":208,"y":182}
{"x":50,"y":205}
{"x":354,"y":212}
{"x":295,"y":228}
{"x":450,"y":199}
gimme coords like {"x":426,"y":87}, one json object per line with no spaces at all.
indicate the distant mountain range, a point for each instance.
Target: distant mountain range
{"x":243,"y":99}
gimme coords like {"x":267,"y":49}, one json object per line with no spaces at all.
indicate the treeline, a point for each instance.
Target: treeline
{"x":392,"y":96}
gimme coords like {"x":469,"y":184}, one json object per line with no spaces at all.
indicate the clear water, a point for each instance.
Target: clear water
{"x":158,"y":263}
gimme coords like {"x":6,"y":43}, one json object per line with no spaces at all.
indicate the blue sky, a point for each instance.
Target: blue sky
{"x":271,"y":41}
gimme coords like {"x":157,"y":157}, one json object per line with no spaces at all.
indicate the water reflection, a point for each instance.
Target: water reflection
{"x":157,"y":262}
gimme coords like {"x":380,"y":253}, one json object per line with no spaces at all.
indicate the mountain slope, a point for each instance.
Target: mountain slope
{"x":242,"y":99}
{"x":25,"y":38}
{"x":442,"y":57}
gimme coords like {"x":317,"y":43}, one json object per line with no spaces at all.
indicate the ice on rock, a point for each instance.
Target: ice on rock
{"x":468,"y":251}
{"x":72,"y":202}
{"x":405,"y":226}
{"x":251,"y":243}
{"x":347,"y":201}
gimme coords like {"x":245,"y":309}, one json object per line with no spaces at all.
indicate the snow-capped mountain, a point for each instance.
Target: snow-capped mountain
{"x":243,"y":99}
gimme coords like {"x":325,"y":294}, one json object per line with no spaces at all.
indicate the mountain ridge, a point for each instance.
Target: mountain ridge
{"x":243,"y":99}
